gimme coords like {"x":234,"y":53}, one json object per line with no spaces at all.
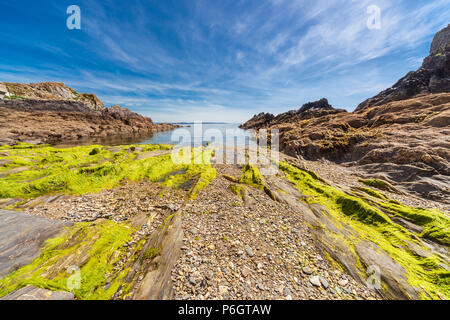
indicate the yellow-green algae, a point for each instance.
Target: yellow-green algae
{"x":372,"y":223}
{"x":251,"y":176}
{"x":379,"y":184}
{"x":94,"y":248}
{"x":88,"y":169}
{"x":238,"y":189}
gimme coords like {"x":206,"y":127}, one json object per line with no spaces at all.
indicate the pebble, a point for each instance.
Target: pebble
{"x":249,"y":251}
{"x":223,"y":290}
{"x":315,"y":281}
{"x":324,"y":282}
{"x":307,"y":270}
{"x":343,"y":282}
{"x":246,"y":272}
{"x":286,"y":292}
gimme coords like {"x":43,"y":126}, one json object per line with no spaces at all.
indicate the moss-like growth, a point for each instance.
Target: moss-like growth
{"x":251,"y":176}
{"x":370,"y":220}
{"x":152,"y":253}
{"x":94,"y":248}
{"x":379,"y":184}
{"x":374,"y":193}
{"x":32,"y":171}
{"x":238,"y":189}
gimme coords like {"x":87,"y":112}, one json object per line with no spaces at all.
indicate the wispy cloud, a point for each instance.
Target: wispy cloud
{"x":220,"y":60}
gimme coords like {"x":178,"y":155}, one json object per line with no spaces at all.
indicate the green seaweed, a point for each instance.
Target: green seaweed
{"x":369,"y":219}
{"x":251,"y":176}
{"x":94,"y":248}
{"x":32,"y":171}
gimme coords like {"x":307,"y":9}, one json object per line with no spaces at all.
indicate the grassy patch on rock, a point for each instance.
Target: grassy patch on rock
{"x":94,"y":248}
{"x":32,"y":171}
{"x":252,"y":177}
{"x":371,"y":221}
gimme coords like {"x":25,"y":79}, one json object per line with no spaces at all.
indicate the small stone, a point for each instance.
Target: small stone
{"x":343,"y":282}
{"x":307,"y":270}
{"x":249,"y":251}
{"x":186,"y":297}
{"x":288,"y":297}
{"x":315,"y":281}
{"x":246,"y":272}
{"x":324,"y":282}
{"x":223,"y":290}
{"x":260,"y":286}
{"x":259,"y":265}
{"x":192,"y":281}
{"x":286,"y":292}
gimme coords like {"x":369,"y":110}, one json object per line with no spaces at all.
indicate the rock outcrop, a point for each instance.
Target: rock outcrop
{"x":307,"y":111}
{"x":432,"y":77}
{"x":51,"y":91}
{"x":400,"y":135}
{"x":52,"y":112}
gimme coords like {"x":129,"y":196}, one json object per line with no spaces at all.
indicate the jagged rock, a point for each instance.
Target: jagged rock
{"x":260,"y":120}
{"x":307,"y":111}
{"x":400,"y":134}
{"x":320,"y":104}
{"x":432,"y":77}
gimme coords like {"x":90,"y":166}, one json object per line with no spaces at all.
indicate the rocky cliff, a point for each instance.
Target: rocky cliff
{"x":52,"y":112}
{"x":432,"y":77}
{"x":400,"y":135}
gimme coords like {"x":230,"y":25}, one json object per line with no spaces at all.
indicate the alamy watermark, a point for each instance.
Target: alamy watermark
{"x":74,"y":281}
{"x":374,"y":279}
{"x":374,"y":20}
{"x":74,"y":19}
{"x":228,"y":146}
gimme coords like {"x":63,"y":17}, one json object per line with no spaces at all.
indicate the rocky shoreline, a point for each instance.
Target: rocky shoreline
{"x":52,"y":113}
{"x":215,"y":231}
{"x":399,"y":136}
{"x":358,"y":207}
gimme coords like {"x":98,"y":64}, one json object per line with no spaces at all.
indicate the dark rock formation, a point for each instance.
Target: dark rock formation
{"x":400,"y":135}
{"x":320,"y":104}
{"x":432,"y":77}
{"x":307,"y":111}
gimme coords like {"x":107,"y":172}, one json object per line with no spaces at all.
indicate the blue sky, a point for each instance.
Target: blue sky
{"x":217,"y":60}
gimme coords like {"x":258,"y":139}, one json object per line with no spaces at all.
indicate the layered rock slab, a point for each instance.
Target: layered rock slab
{"x":22,"y":237}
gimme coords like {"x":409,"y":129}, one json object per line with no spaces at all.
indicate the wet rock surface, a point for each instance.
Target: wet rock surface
{"x":34,"y":293}
{"x":22,"y":237}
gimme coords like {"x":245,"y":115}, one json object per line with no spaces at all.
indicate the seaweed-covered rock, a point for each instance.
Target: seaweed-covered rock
{"x":22,"y":237}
